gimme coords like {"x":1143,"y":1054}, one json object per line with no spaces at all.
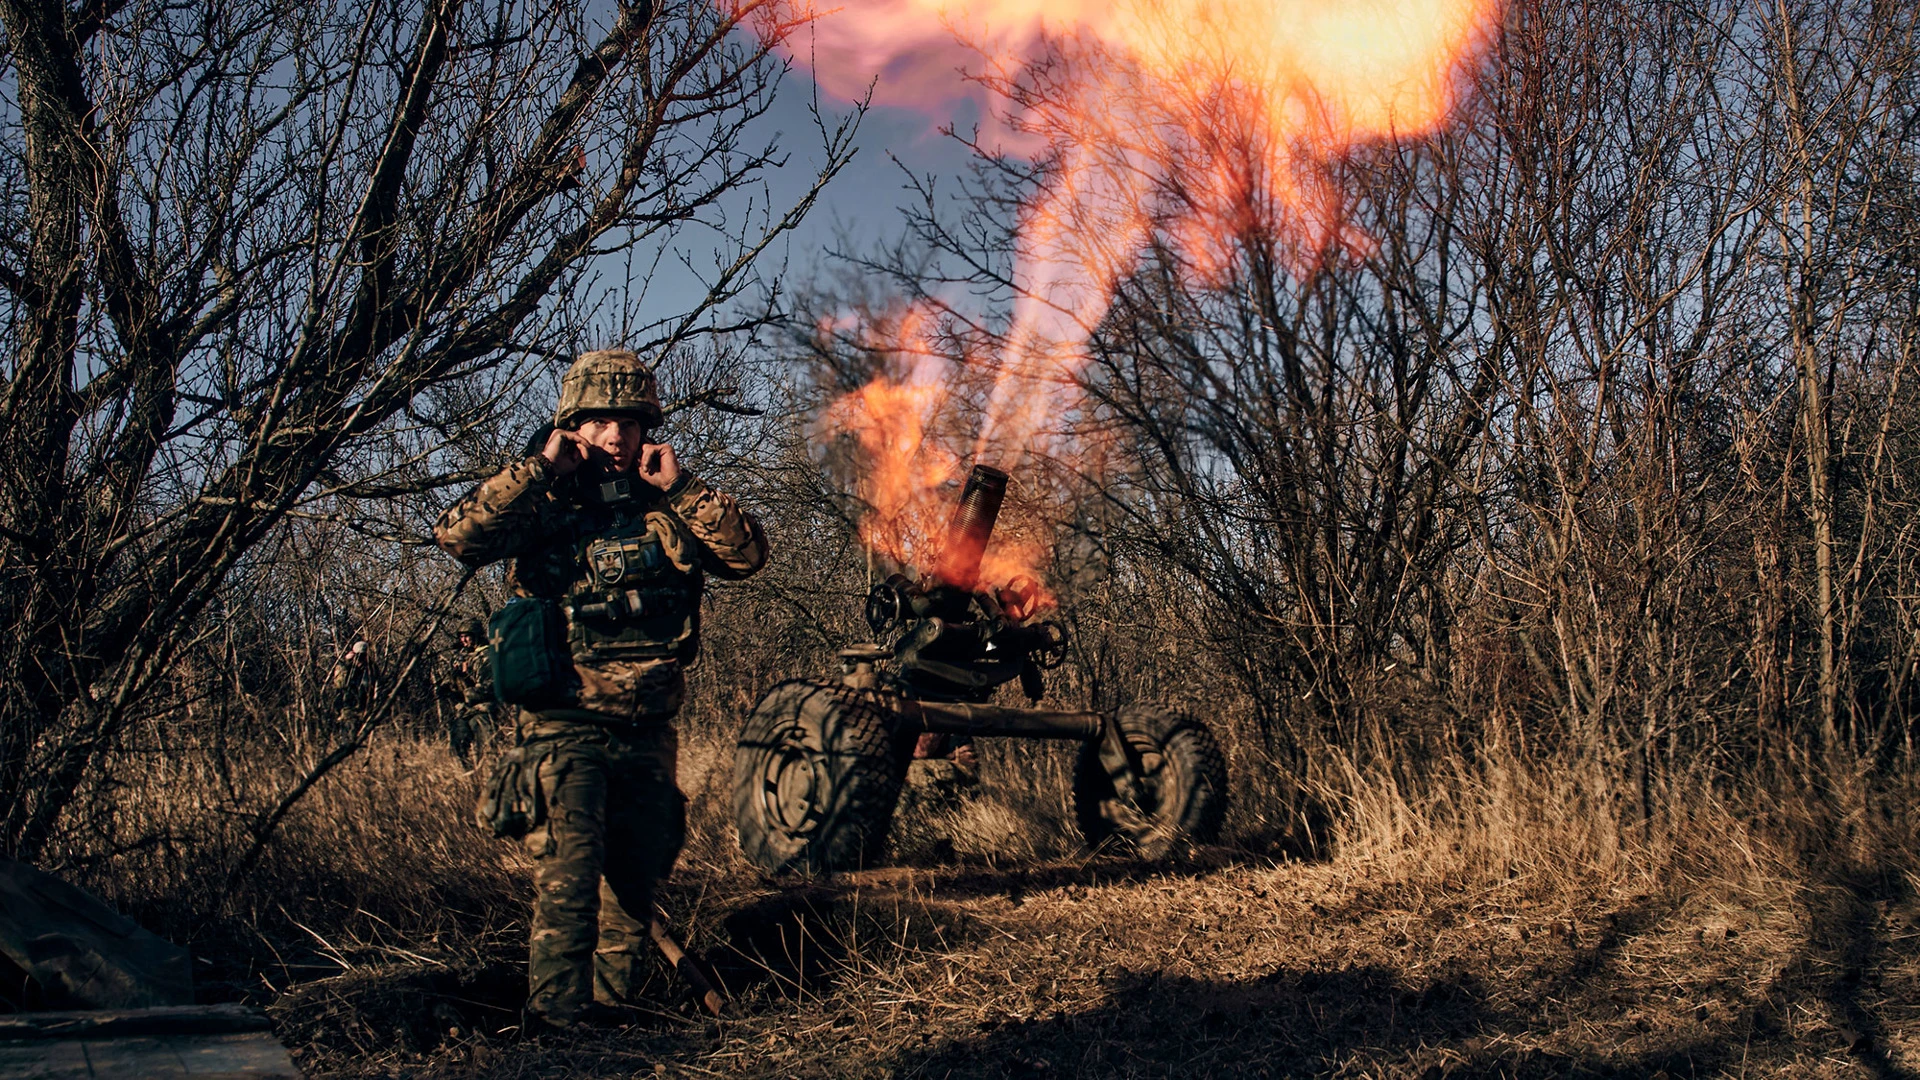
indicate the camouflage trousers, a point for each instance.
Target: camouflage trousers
{"x":615,"y":823}
{"x":467,"y":723}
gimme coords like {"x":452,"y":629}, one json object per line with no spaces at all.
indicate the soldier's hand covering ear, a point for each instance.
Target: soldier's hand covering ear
{"x":565,"y":450}
{"x":658,"y":466}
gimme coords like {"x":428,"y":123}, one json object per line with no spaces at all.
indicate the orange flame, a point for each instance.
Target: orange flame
{"x":1190,"y":124}
{"x":908,"y":428}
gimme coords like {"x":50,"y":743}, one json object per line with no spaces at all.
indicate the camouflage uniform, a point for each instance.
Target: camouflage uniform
{"x":353,"y":686}
{"x":466,"y":685}
{"x":606,"y":760}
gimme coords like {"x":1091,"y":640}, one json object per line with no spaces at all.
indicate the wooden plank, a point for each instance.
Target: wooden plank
{"x":247,"y":1056}
{"x":169,"y":1020}
{"x":256,"y":1054}
{"x":46,"y":1059}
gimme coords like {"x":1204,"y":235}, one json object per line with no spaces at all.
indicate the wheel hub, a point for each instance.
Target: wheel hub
{"x":792,"y":786}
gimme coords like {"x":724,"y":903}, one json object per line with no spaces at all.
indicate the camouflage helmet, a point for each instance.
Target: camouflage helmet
{"x":473,"y":628}
{"x":611,"y":381}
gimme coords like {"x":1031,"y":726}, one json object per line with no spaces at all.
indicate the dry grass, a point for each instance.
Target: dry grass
{"x":1340,"y":969}
{"x":1498,"y":920}
{"x":379,"y":865}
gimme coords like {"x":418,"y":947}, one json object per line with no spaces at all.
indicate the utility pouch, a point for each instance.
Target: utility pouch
{"x":532,"y":665}
{"x":510,"y":804}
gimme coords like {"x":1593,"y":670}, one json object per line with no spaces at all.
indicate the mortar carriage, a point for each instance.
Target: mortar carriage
{"x":820,"y":763}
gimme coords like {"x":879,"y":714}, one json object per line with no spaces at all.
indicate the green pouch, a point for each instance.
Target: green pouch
{"x":510,"y":804}
{"x":532,"y":665}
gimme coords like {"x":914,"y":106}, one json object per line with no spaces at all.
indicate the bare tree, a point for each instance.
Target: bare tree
{"x":257,"y":255}
{"x":1841,"y":118}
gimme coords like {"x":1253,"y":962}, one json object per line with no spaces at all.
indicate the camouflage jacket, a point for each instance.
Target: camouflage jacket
{"x":352,"y":686}
{"x":465,"y":675}
{"x":544,"y":523}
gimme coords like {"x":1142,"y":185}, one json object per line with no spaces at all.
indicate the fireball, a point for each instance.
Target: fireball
{"x":1184,"y":123}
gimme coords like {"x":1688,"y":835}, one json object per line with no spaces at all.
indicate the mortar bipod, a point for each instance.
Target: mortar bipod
{"x":1122,"y":761}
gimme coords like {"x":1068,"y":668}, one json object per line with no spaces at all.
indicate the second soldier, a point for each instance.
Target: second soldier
{"x":464,"y":683}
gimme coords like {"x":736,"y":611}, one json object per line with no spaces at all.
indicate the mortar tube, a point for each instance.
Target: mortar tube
{"x":971,"y":527}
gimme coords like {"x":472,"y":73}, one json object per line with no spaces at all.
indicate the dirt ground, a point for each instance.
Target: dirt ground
{"x":1226,"y":965}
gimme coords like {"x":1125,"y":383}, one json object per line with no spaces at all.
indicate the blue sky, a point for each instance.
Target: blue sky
{"x":860,"y":207}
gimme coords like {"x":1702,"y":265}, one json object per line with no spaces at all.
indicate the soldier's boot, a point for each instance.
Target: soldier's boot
{"x":625,"y":942}
{"x":593,"y":1015}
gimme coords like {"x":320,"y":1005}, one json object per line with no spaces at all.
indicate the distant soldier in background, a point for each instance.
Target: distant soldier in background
{"x":942,"y":776}
{"x":465,"y":686}
{"x":610,"y":539}
{"x":353,"y":685}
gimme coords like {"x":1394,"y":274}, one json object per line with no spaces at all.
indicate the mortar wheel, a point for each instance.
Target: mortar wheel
{"x":1183,"y":787}
{"x":815,"y":778}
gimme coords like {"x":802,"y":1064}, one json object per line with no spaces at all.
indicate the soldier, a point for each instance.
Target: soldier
{"x":466,"y":685}
{"x":941,"y":778}
{"x":353,"y":685}
{"x":607,"y":525}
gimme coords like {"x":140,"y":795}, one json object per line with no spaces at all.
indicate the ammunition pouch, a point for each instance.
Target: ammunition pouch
{"x":634,"y":602}
{"x":511,"y":804}
{"x":620,"y":605}
{"x":532,"y":666}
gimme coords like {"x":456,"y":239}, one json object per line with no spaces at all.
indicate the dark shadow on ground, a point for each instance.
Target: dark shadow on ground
{"x":963,"y":881}
{"x":1846,"y":948}
{"x":376,"y":1010}
{"x":797,"y":938}
{"x":1363,"y":1020}
{"x":1367,"y":1019}
{"x":792,"y":942}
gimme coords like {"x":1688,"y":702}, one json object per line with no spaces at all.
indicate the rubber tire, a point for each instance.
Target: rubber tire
{"x":816,"y":774}
{"x":1185,"y":786}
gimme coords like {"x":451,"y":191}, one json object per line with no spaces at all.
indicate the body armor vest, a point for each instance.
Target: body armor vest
{"x":629,"y":600}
